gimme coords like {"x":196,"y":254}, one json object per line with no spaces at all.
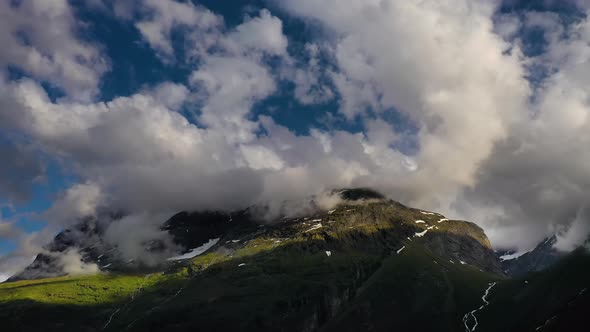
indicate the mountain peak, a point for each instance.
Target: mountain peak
{"x":356,"y":194}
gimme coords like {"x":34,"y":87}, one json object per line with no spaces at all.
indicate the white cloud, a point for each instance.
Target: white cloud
{"x":80,"y":200}
{"x":229,"y":86}
{"x":166,"y":15}
{"x":438,"y":63}
{"x":134,"y":235}
{"x":575,"y":235}
{"x":310,"y":87}
{"x":483,"y":149}
{"x":537,"y":175}
{"x":72,"y":264}
{"x":39,"y":38}
{"x":263,"y":33}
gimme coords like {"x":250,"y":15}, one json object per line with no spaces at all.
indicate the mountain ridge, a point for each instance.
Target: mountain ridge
{"x":193,"y":229}
{"x":366,"y":264}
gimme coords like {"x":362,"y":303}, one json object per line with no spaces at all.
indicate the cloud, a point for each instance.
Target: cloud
{"x":575,"y":235}
{"x":164,"y":16}
{"x":79,"y":201}
{"x":8,"y":231}
{"x":489,"y":149}
{"x":140,"y":238}
{"x":447,"y":119}
{"x":72,"y":264}
{"x":263,"y":33}
{"x":21,"y":166}
{"x":384,"y":62}
{"x":28,"y":246}
{"x":39,"y":38}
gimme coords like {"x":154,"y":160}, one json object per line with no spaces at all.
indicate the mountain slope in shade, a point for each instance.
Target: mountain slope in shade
{"x":541,"y":257}
{"x":556,"y":299}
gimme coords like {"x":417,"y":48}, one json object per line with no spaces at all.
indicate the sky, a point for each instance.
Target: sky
{"x":474,"y":108}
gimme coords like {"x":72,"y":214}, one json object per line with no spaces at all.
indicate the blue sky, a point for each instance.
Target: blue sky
{"x":151,"y":107}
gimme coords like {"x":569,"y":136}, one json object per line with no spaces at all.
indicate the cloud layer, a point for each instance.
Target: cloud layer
{"x":451,"y":111}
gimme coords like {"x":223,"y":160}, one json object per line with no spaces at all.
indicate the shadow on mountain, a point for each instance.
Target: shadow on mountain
{"x":345,"y":283}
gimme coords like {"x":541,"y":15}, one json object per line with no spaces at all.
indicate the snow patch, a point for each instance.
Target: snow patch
{"x":400,"y":249}
{"x":427,"y":213}
{"x":328,"y":253}
{"x":421,"y":234}
{"x":443,"y":219}
{"x":331,"y":211}
{"x":511,"y":256}
{"x":241,"y":264}
{"x":314,"y":227}
{"x":196,"y":251}
{"x":420,"y":222}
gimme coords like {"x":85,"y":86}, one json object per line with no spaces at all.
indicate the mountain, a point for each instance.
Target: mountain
{"x":187,"y":230}
{"x":555,"y":299}
{"x":540,"y":258}
{"x":369,"y":264}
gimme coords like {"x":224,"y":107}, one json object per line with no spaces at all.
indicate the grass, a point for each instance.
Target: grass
{"x":86,"y":290}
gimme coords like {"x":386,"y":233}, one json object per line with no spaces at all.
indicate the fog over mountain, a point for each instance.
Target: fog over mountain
{"x":477,"y":109}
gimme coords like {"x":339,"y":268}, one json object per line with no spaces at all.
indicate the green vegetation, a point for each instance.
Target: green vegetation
{"x":87,"y":290}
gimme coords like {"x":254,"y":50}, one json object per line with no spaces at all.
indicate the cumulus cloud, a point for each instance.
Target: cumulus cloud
{"x":166,"y":16}
{"x":476,"y":141}
{"x":39,"y":38}
{"x":536,"y":175}
{"x":79,"y":201}
{"x":21,"y":166}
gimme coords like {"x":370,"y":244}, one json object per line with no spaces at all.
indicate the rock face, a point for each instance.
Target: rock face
{"x":538,"y":259}
{"x":467,"y":247}
{"x":84,"y":236}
